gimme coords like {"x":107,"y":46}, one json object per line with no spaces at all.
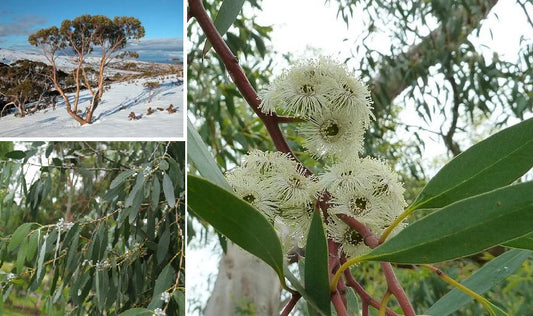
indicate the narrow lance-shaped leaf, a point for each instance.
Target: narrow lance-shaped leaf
{"x":316,"y":268}
{"x":201,"y":157}
{"x":463,"y":228}
{"x":168,"y":190}
{"x":137,"y":312}
{"x":163,"y":282}
{"x":481,"y":281}
{"x":237,"y":220}
{"x":492,"y":163}
{"x":225,"y":17}
{"x":18,"y":236}
{"x":121,"y":178}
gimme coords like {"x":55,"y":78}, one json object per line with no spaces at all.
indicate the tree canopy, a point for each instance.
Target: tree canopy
{"x":92,"y":227}
{"x":81,"y":36}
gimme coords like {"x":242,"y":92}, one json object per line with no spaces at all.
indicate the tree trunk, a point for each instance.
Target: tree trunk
{"x":245,"y":285}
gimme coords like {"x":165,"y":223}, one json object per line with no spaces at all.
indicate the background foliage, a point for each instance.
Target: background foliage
{"x":92,"y":227}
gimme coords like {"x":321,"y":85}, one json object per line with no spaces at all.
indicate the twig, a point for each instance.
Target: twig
{"x":291,"y":304}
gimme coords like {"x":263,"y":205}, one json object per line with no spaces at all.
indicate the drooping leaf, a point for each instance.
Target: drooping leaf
{"x":121,"y":178}
{"x":137,"y":312}
{"x":492,"y":163}
{"x":225,"y":17}
{"x":202,"y":159}
{"x":162,"y":246}
{"x":168,"y":190}
{"x":156,"y":191}
{"x":162,"y":283}
{"x":179,"y":297}
{"x":16,"y":154}
{"x":40,"y":272}
{"x":316,"y":267}
{"x":18,"y":236}
{"x":463,"y":228}
{"x":139,"y":181}
{"x":237,"y":220}
{"x":481,"y":281}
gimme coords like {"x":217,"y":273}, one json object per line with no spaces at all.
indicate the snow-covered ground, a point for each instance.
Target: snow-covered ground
{"x":111,"y":118}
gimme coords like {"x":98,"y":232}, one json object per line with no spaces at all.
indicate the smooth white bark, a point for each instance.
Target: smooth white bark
{"x":244,"y":280}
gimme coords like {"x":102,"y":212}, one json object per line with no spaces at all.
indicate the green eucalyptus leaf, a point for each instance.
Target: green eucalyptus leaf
{"x":40,"y":268}
{"x":162,"y":246}
{"x":525,"y":242}
{"x":200,"y":156}
{"x":16,"y":154}
{"x":225,"y":17}
{"x":168,"y":190}
{"x":316,"y":273}
{"x":121,"y":178}
{"x":18,"y":236}
{"x":463,"y":228}
{"x":237,"y":220}
{"x":163,"y":282}
{"x":481,"y":281}
{"x":163,"y":165}
{"x":137,"y":312}
{"x":156,"y":191}
{"x":492,"y":163}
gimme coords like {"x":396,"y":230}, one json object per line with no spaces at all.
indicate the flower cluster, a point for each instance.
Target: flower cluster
{"x":336,"y":108}
{"x":63,"y":226}
{"x":165,"y":297}
{"x":158,"y":312}
{"x":279,"y":188}
{"x":335,"y":105}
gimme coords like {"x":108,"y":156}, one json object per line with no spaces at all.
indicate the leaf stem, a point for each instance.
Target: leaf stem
{"x":383,"y":305}
{"x":394,"y":224}
{"x":443,"y":276}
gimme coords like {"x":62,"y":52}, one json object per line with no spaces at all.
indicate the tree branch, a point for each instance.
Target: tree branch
{"x":197,"y":10}
{"x":391,"y":81}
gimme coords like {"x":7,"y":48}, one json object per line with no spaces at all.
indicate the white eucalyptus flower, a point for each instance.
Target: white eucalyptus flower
{"x":332,"y":133}
{"x":351,"y":242}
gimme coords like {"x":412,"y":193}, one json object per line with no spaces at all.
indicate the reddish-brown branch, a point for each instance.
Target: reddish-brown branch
{"x":372,"y":241}
{"x":197,"y":10}
{"x":340,"y":308}
{"x":396,"y":289}
{"x":290,"y":305}
{"x":365,"y":297}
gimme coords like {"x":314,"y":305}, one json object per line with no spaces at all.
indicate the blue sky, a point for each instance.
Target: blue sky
{"x":20,"y":18}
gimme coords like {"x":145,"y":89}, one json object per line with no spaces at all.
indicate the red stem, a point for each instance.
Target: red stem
{"x":290,"y":305}
{"x":197,"y":10}
{"x":396,"y":289}
{"x":365,"y":297}
{"x":372,"y":241}
{"x":338,"y":304}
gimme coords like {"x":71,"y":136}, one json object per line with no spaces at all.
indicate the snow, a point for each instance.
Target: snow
{"x":111,"y":117}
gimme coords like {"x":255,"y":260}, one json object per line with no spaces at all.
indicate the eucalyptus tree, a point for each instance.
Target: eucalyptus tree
{"x":82,"y":35}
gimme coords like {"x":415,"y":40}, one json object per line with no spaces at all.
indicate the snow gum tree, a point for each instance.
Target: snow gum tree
{"x":81,"y":36}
